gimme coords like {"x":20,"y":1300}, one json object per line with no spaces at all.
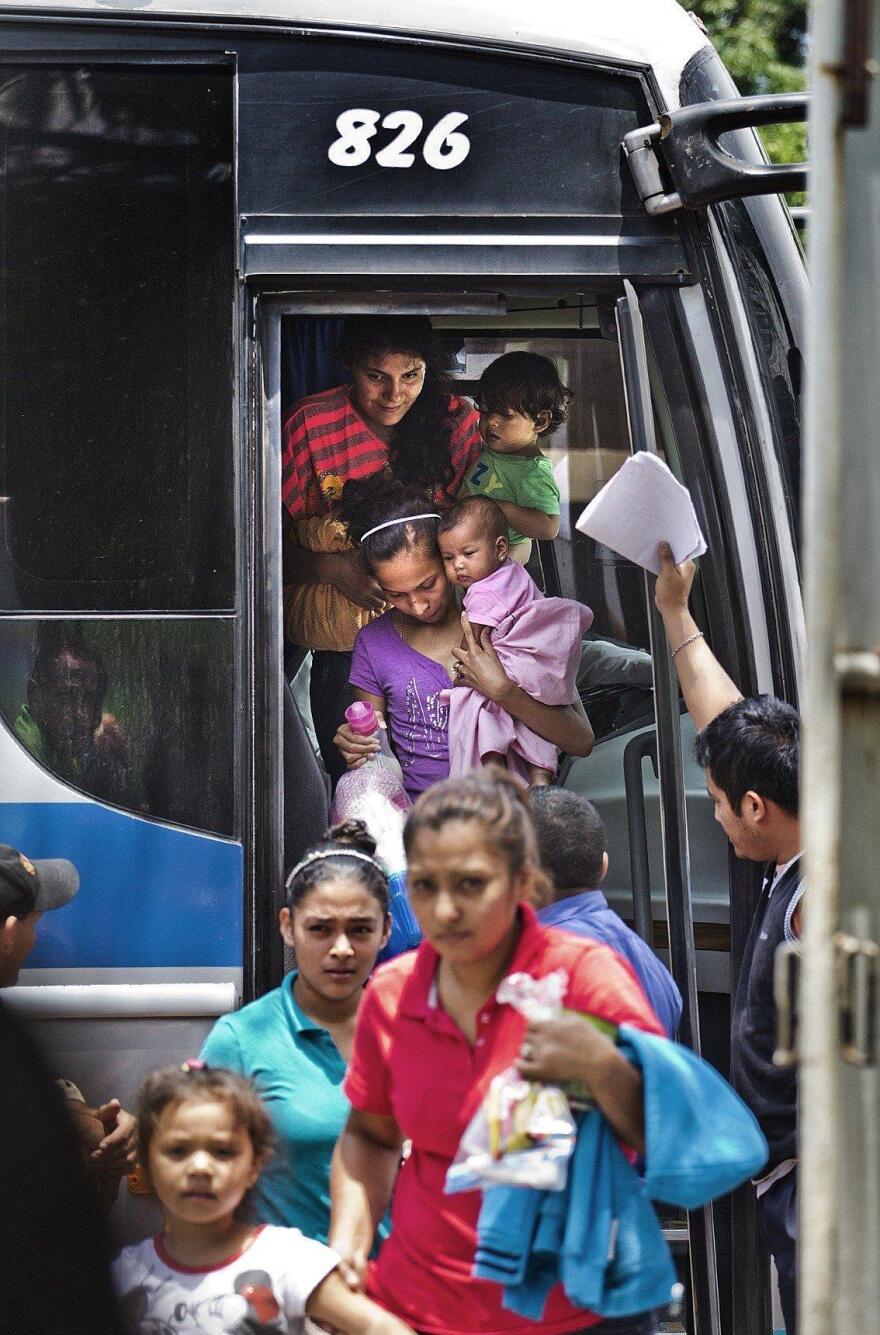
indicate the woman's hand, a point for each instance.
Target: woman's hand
{"x":345,"y":572}
{"x":571,"y":1048}
{"x":478,"y":665}
{"x":362,"y":1173}
{"x":354,"y":748}
{"x":564,"y":1049}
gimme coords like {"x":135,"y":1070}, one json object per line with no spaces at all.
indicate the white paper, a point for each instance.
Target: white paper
{"x":640,"y":507}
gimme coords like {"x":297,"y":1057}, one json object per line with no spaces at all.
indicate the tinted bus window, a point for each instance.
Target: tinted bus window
{"x":116,"y":231}
{"x":138,"y":713}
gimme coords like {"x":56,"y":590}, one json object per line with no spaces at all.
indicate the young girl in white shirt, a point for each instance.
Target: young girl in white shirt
{"x":204,"y":1135}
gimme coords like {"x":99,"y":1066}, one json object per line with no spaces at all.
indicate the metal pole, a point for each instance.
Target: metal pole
{"x":820,"y":809}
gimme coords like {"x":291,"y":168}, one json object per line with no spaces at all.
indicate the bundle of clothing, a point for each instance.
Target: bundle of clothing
{"x":600,"y":1236}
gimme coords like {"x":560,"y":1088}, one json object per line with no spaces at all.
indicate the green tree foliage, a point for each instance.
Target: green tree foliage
{"x":763,"y":44}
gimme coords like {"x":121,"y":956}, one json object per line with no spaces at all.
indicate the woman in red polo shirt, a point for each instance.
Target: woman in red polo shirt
{"x":396,"y":413}
{"x":431,"y":1035}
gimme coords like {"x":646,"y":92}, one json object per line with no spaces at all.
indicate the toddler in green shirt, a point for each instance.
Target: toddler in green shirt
{"x":521,"y":400}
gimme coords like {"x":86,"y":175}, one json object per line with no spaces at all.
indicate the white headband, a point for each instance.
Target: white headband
{"x":323,"y":853}
{"x":389,"y":523}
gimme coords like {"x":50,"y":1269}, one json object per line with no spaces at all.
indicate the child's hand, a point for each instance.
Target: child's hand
{"x":333,"y":1305}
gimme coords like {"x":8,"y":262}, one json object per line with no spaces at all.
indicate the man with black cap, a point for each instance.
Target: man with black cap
{"x":28,"y":890}
{"x":54,"y":1258}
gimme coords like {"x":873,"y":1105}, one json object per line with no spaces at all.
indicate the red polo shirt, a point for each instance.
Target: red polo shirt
{"x":412,"y":1063}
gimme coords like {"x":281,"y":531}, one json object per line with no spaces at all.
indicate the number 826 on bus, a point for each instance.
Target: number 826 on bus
{"x":444,"y":146}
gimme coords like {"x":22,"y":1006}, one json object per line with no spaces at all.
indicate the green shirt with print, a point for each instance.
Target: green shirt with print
{"x":524,"y":479}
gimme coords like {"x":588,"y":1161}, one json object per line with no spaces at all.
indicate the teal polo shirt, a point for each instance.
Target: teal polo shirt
{"x":298,"y":1071}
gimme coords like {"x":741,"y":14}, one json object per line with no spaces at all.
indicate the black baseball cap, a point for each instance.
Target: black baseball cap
{"x":34,"y":887}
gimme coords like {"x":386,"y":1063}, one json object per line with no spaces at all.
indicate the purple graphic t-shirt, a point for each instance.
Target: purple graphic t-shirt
{"x":383,"y":664}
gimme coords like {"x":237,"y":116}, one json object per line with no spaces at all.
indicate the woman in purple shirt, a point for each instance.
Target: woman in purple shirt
{"x":405,"y":659}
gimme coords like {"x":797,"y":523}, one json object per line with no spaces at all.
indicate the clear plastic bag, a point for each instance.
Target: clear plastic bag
{"x":523,"y":1133}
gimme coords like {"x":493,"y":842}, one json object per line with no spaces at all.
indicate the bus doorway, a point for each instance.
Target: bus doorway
{"x":649,"y":790}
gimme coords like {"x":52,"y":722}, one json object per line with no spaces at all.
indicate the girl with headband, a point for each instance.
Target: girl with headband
{"x":295,"y":1041}
{"x":405,"y":660}
{"x":397,"y":416}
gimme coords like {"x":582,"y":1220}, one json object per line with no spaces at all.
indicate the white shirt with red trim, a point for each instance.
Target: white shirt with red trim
{"x":262,"y":1288}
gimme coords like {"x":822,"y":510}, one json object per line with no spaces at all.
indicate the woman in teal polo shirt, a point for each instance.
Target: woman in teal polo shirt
{"x":296,"y":1041}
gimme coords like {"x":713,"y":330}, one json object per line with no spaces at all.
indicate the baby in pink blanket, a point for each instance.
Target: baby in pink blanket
{"x":537,"y":639}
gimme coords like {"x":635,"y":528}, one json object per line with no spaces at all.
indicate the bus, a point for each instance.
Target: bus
{"x":193,"y":193}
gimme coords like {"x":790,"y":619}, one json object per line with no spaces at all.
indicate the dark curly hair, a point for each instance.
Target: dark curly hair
{"x":349,"y":834}
{"x":374,"y":500}
{"x":527,"y":383}
{"x":418,"y":452}
{"x":754,"y":745}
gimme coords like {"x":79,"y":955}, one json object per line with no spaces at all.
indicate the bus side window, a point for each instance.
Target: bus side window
{"x":117,"y":474}
{"x":135,"y":713}
{"x":116,"y":375}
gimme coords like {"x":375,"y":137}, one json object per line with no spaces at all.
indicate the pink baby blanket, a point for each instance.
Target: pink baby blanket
{"x":538,"y":641}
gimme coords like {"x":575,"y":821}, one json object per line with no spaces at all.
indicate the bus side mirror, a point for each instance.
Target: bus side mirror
{"x":701,"y":171}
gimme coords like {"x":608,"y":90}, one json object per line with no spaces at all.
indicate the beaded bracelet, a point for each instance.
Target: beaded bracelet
{"x":697,"y":635}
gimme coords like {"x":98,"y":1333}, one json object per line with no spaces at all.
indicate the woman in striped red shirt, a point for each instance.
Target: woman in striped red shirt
{"x":396,"y":414}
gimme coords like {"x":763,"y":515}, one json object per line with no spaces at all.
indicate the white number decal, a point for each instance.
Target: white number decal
{"x":444,"y":147}
{"x":356,"y":128}
{"x":410,"y":125}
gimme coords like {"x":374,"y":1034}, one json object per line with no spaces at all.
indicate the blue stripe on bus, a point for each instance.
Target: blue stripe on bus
{"x":150,"y":896}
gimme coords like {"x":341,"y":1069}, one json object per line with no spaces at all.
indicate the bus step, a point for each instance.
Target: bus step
{"x":676,"y":1233}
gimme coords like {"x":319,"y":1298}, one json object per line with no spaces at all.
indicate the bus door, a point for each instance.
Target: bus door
{"x":374,"y":176}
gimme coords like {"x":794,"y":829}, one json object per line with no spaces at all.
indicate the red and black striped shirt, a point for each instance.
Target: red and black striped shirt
{"x":325,"y":443}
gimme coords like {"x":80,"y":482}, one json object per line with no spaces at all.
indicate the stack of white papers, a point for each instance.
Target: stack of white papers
{"x":640,"y":507}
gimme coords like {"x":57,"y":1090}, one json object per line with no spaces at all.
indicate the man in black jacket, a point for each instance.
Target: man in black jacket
{"x":749,"y":750}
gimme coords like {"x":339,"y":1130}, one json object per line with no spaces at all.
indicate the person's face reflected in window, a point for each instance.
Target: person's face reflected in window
{"x":67,"y":705}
